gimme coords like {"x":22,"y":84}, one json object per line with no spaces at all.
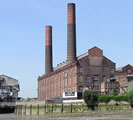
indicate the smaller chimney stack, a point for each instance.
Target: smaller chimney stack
{"x":48,"y":50}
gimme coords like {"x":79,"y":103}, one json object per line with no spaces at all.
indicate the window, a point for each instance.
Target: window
{"x":96,"y":87}
{"x":65,"y":79}
{"x":81,"y":70}
{"x":81,"y":88}
{"x":65,"y":74}
{"x":103,"y":78}
{"x":56,"y":83}
{"x":60,"y":79}
{"x":96,"y":79}
{"x":80,"y":78}
{"x":129,"y":71}
{"x":88,"y":79}
{"x":112,"y":71}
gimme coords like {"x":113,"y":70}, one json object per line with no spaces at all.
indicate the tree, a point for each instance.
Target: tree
{"x":91,"y":98}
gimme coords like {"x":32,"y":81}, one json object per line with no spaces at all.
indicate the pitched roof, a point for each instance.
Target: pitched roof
{"x":121,"y":68}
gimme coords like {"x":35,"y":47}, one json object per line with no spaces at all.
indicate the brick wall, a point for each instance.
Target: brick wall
{"x":54,"y":85}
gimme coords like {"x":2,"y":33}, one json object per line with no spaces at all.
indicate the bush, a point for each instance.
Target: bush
{"x":104,"y":98}
{"x":117,"y":98}
{"x":130,"y":98}
{"x":121,"y":98}
{"x":124,"y":98}
{"x":91,"y":98}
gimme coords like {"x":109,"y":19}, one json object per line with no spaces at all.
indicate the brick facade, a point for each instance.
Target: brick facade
{"x":53,"y":85}
{"x":76,"y":76}
{"x":124,"y":74}
{"x":77,"y":73}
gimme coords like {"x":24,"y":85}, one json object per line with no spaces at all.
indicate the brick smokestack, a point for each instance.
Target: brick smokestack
{"x":71,"y":33}
{"x":48,"y":50}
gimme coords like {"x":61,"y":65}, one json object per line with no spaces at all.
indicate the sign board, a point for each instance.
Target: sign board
{"x":69,"y":94}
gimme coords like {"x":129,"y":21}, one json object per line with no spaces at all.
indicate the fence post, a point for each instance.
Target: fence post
{"x":44,"y":108}
{"x":52,"y":107}
{"x":25,"y":109}
{"x":83,"y":107}
{"x":18,"y":110}
{"x":61,"y":108}
{"x":30,"y":109}
{"x":15,"y":110}
{"x":71,"y":108}
{"x":21,"y":107}
{"x":38,"y":109}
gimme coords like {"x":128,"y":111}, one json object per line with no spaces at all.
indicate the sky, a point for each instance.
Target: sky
{"x":107,"y":24}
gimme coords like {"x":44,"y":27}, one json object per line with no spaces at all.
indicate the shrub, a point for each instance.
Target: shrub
{"x":104,"y":98}
{"x":90,"y":98}
{"x":130,"y":98}
{"x":120,"y":98}
{"x":117,"y":98}
{"x":124,"y":98}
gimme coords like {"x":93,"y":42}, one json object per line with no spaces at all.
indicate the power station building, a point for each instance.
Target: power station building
{"x":86,"y":71}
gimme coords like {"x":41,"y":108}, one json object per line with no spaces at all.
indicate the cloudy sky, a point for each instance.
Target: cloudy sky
{"x":107,"y":24}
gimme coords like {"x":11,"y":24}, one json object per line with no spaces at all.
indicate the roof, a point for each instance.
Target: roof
{"x":9,"y":81}
{"x":60,"y":65}
{"x":95,"y":47}
{"x":121,"y":68}
{"x":65,"y":63}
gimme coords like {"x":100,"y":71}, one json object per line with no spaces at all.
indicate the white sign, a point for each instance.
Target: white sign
{"x":69,"y":94}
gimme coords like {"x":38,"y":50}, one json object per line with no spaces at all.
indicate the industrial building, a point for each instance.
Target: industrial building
{"x":76,"y":74}
{"x":124,"y":75}
{"x":9,"y":88}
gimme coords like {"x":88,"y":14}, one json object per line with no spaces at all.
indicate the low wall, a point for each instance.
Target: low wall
{"x":43,"y":109}
{"x":30,"y":103}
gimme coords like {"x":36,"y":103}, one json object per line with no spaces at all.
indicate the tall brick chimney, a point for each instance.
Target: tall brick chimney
{"x":48,"y":50}
{"x":71,"y":33}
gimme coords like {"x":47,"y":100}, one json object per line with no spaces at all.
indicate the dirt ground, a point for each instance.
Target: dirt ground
{"x":119,"y":115}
